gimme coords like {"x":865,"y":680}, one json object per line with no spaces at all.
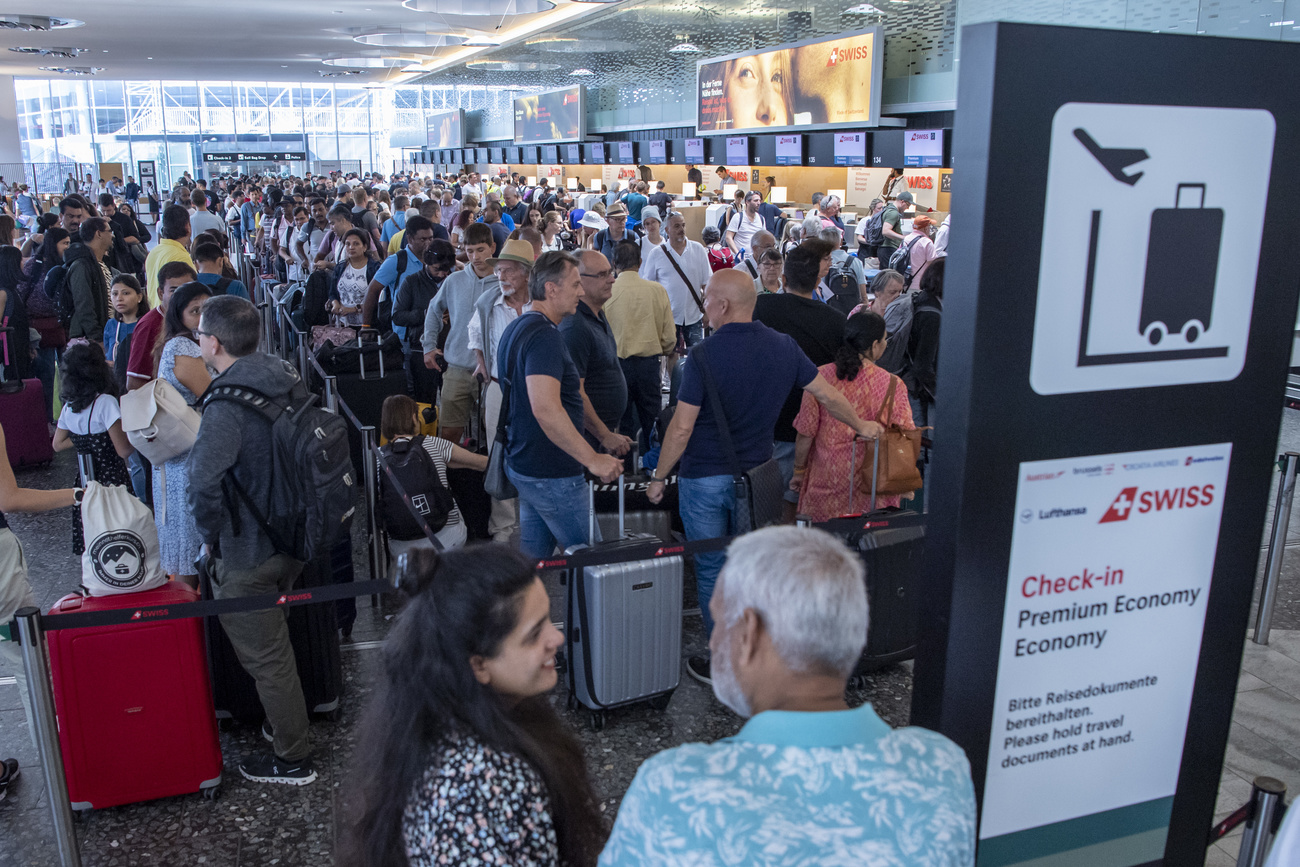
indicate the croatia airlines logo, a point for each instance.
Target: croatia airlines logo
{"x":1121,"y":508}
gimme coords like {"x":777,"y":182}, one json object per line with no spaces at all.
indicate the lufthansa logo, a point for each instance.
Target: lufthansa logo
{"x":118,"y":558}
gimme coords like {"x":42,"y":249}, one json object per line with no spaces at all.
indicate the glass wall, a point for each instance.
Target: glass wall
{"x":175,"y":122}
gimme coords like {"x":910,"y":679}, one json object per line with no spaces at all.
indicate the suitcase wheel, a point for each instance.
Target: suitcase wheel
{"x":596,"y":720}
{"x":212,"y":794}
{"x":660,"y":702}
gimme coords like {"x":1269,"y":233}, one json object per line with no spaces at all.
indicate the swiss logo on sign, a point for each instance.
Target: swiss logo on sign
{"x":1121,"y":508}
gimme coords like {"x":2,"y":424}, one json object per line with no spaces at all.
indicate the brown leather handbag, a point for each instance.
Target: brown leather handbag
{"x":897,"y":453}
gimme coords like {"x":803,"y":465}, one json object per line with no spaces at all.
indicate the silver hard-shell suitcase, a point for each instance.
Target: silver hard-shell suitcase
{"x":625,"y":625}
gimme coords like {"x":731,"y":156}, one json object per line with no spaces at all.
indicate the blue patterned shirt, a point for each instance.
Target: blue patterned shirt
{"x":832,"y":788}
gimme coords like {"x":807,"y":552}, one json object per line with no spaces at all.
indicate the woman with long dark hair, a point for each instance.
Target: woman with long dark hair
{"x":461,"y":757}
{"x":823,"y":448}
{"x":16,"y":345}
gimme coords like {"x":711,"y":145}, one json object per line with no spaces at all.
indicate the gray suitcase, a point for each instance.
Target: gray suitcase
{"x":649,"y":522}
{"x":625,"y":625}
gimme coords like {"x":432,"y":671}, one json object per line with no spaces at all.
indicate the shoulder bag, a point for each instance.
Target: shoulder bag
{"x":899,"y":450}
{"x":760,"y":490}
{"x":158,"y":421}
{"x":699,"y":302}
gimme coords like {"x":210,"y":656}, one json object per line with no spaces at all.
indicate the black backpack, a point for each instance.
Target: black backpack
{"x":312,"y":477}
{"x":418,"y":476}
{"x":222,"y":284}
{"x":359,"y":219}
{"x":873,"y":233}
{"x":315,"y":296}
{"x":845,"y":294}
{"x":58,"y":291}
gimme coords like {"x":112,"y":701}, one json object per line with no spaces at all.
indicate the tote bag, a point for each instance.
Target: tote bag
{"x":121,"y":553}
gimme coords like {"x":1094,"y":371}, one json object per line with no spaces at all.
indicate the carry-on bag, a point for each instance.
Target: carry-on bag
{"x":134,"y":703}
{"x":314,"y":634}
{"x":624,"y":620}
{"x":158,"y":421}
{"x":24,"y":415}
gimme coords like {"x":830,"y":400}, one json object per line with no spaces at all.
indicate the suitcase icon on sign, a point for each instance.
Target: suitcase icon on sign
{"x":1182,"y":266}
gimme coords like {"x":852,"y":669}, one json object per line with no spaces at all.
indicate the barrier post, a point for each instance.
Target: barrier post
{"x":1276,"y":547}
{"x":370,"y":472}
{"x":36,"y":664}
{"x":331,"y":394}
{"x":1265,"y":804}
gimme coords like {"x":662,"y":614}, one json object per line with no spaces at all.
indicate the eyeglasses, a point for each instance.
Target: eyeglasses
{"x":197,"y":333}
{"x":599,"y":275}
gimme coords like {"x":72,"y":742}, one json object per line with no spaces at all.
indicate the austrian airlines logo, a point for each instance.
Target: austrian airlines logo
{"x":1121,"y":508}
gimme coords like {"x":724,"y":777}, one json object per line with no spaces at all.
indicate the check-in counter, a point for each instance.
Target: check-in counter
{"x":696,"y":216}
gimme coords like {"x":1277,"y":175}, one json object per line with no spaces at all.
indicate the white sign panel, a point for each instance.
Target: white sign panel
{"x":1151,"y":236}
{"x":1111,"y":558}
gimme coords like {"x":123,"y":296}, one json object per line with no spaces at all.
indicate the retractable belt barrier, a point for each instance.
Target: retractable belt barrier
{"x":329,"y":593}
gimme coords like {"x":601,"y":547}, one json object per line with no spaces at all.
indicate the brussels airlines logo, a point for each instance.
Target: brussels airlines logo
{"x":1129,"y":500}
{"x":845,"y":55}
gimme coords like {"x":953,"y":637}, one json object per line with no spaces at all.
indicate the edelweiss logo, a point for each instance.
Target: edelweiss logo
{"x":1121,"y":508}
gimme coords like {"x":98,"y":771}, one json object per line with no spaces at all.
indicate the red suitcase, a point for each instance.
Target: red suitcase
{"x":134,"y":704}
{"x":27,"y":435}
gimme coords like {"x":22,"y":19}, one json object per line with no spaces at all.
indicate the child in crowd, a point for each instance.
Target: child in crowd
{"x":91,"y":421}
{"x":129,"y":304}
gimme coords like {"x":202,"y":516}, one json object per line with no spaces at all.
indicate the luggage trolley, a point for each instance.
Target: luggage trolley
{"x":1182,"y":266}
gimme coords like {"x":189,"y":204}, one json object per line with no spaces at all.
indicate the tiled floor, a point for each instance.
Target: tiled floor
{"x":259,"y":825}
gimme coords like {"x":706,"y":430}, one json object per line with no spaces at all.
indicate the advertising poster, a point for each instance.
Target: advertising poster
{"x":1107,"y":551}
{"x":445,"y":129}
{"x":553,"y":116}
{"x":828,"y":82}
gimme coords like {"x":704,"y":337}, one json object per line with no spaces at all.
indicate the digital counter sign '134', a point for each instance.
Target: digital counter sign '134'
{"x":1109,"y":573}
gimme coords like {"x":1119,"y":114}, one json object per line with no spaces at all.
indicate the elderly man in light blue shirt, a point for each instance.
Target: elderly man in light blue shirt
{"x":807,"y":780}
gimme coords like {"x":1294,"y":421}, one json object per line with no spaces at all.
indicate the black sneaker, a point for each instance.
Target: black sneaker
{"x":8,"y":771}
{"x":270,"y":768}
{"x":268,"y":733}
{"x":698,"y":668}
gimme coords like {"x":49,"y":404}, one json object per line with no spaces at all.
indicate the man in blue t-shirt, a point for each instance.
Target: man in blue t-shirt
{"x":545,"y":449}
{"x":754,"y":368}
{"x":395,"y":269}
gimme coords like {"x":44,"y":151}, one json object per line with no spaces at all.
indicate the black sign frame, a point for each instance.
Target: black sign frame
{"x":1014,"y":78}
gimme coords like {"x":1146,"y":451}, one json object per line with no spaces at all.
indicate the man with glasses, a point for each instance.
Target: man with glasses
{"x":594,"y":351}
{"x":606,"y":239}
{"x":761,"y":242}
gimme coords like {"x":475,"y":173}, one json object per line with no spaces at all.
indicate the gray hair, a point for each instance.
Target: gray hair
{"x":234,"y":322}
{"x":883,"y":278}
{"x":831,"y":234}
{"x":831,"y":202}
{"x":812,"y":226}
{"x":809,"y":590}
{"x":550,"y":267}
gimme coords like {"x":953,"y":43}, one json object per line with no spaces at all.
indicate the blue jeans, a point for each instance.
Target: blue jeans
{"x":693,"y":334}
{"x":708,"y":507}
{"x":784,"y":455}
{"x":551,"y":512}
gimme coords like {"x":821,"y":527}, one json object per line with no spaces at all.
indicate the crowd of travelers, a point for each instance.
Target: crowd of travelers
{"x":584,"y":343}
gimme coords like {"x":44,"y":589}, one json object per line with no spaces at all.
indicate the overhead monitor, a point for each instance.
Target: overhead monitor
{"x":551,"y":116}
{"x":530,"y":156}
{"x":481,"y":155}
{"x":738,"y":150}
{"x":446,"y":129}
{"x":923,"y":147}
{"x":831,"y":82}
{"x":658,"y":153}
{"x":498,"y":155}
{"x":573,"y":154}
{"x":513,"y":155}
{"x":598,"y":153}
{"x":550,"y":154}
{"x":789,"y":150}
{"x":625,"y":154}
{"x":850,"y":148}
{"x":694,"y":154}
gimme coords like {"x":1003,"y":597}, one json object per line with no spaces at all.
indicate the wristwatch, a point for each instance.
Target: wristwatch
{"x":77,"y":495}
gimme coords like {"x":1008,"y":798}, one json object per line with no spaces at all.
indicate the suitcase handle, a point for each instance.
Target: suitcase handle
{"x":1178,"y":194}
{"x":591,"y":508}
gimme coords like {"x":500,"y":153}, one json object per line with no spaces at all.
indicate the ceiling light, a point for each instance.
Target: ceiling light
{"x":36,"y":23}
{"x":511,"y":66}
{"x":595,"y":1}
{"x":73,"y":70}
{"x":479,"y":7}
{"x":863,"y":9}
{"x":338,"y":73}
{"x":583,"y":71}
{"x":481,"y":41}
{"x":684,"y":48}
{"x":408,"y":37}
{"x":376,"y":62}
{"x":52,"y":52}
{"x":554,"y":40}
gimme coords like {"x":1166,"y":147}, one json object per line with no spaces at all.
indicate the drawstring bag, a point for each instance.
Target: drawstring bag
{"x":121,"y":553}
{"x":158,"y":421}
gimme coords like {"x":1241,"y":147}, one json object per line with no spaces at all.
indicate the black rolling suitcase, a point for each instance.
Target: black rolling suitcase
{"x":365,"y":387}
{"x":313,"y":632}
{"x":893,"y":561}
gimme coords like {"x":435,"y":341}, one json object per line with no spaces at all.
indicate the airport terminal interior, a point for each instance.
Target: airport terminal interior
{"x":771,"y":135}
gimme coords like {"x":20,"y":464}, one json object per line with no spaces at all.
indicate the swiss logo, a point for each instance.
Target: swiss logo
{"x":1121,"y":508}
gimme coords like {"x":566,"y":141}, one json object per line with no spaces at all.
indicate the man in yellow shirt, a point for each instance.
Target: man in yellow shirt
{"x":174,"y":246}
{"x":641,"y":317}
{"x":430,"y":210}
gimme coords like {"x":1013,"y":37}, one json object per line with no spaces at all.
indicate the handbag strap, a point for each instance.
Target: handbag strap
{"x":887,"y":409}
{"x":506,"y":375}
{"x":680,"y":273}
{"x":719,"y":417}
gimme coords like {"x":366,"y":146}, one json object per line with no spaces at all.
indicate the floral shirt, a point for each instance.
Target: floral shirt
{"x":475,"y":806}
{"x":794,"y":789}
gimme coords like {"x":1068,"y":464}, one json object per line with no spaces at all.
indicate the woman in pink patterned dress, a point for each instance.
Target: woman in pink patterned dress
{"x":824,"y":446}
